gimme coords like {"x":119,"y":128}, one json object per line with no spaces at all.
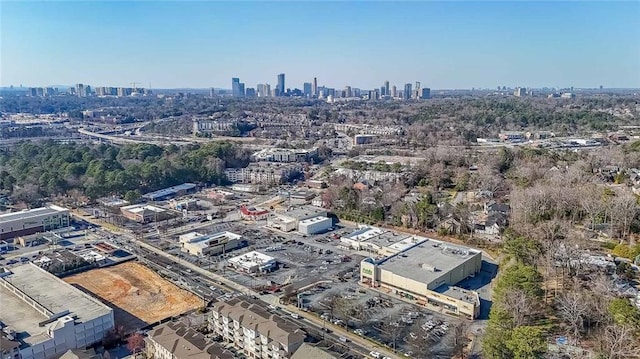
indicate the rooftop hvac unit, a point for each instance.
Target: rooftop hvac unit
{"x":428,"y":267}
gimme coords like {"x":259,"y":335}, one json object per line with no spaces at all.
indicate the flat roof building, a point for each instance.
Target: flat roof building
{"x":30,"y":221}
{"x":427,"y":273}
{"x":199,"y":244}
{"x":48,"y":316}
{"x":253,"y":262}
{"x":167,"y":193}
{"x":315,"y":225}
{"x":144,"y":213}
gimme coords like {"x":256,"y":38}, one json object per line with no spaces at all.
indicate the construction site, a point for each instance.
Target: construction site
{"x":138,"y":295}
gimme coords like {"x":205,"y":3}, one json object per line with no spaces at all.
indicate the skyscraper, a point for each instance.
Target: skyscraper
{"x":394,"y":91}
{"x":383,"y":91}
{"x":235,"y":87}
{"x":314,"y":88}
{"x":386,"y":88}
{"x":281,"y":88}
{"x":407,"y":91}
{"x":426,"y":93}
{"x":80,"y":90}
{"x":241,"y":89}
{"x":347,"y":91}
{"x":307,"y":88}
{"x":212,"y":92}
{"x":250,"y":92}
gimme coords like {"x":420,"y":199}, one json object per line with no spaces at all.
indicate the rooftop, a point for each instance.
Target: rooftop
{"x":140,"y":208}
{"x":52,"y":295}
{"x":459,"y":293}
{"x":428,"y":260}
{"x":31,"y":213}
{"x":186,"y":343}
{"x":304,"y":212}
{"x":258,"y":319}
{"x":313,"y":220}
{"x":251,"y":259}
{"x":170,"y":190}
{"x":204,"y":240}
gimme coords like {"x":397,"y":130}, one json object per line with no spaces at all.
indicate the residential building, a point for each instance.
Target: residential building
{"x":285,"y":155}
{"x":32,"y":221}
{"x":199,"y":244}
{"x":266,"y":173}
{"x":427,"y":272}
{"x":175,"y":340}
{"x":253,"y":262}
{"x":254,"y":331}
{"x":47,"y":316}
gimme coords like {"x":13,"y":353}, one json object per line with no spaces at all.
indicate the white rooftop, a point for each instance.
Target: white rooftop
{"x":313,"y":220}
{"x":204,"y":240}
{"x":139,"y":208}
{"x":364,"y":234}
{"x":30,"y":213}
{"x":251,"y":259}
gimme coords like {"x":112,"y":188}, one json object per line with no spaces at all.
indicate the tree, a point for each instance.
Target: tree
{"x":618,"y":342}
{"x":523,"y":277}
{"x":135,"y":343}
{"x":527,"y":342}
{"x":132,"y":196}
{"x":624,"y":313}
{"x":522,"y":249}
{"x":573,"y":308}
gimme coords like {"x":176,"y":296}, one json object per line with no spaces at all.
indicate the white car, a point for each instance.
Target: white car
{"x":375,"y":354}
{"x":295,"y":316}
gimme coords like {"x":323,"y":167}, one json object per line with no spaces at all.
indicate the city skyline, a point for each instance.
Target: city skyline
{"x":443,"y":45}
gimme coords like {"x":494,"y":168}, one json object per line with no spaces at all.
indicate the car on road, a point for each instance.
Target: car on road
{"x":375,"y":354}
{"x":295,"y":316}
{"x":12,"y":261}
{"x":24,"y":259}
{"x":326,"y":330}
{"x":344,"y":340}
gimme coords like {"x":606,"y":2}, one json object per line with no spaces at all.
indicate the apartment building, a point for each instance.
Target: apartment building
{"x":268,"y":173}
{"x":254,"y":331}
{"x":174,"y":340}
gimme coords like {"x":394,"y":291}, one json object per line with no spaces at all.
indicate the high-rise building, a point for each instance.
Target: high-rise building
{"x":386,"y":88}
{"x":426,"y":93}
{"x":250,"y":92}
{"x":394,"y":91}
{"x":314,"y":88}
{"x":347,"y":91}
{"x":241,"y":90}
{"x":307,"y":88}
{"x":33,"y":92}
{"x":80,"y":90}
{"x":212,"y":92}
{"x":281,"y":88}
{"x":407,"y":91}
{"x":235,"y":87}
{"x":383,"y":91}
{"x":520,"y":91}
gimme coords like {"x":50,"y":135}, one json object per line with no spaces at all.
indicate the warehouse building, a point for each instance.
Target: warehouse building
{"x":171,"y":192}
{"x":30,"y":221}
{"x":46,"y":316}
{"x":199,"y":244}
{"x":253,"y":262}
{"x":427,"y":273}
{"x":315,"y":225}
{"x":290,"y":219}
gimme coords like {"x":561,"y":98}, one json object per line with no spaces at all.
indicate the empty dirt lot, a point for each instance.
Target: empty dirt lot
{"x":138,"y":295}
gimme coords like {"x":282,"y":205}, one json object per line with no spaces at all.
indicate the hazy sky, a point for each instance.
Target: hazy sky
{"x":362,"y":44}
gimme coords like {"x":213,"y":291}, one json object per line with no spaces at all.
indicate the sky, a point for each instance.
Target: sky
{"x":444,"y":45}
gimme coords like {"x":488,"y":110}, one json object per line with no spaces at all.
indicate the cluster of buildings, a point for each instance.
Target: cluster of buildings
{"x":82,"y":90}
{"x":305,"y":219}
{"x":285,"y":155}
{"x":43,"y":317}
{"x":244,"y":329}
{"x":198,"y":244}
{"x":419,"y":269}
{"x":312,"y":90}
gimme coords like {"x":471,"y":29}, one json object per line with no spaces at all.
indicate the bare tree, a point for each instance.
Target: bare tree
{"x":521,"y":306}
{"x":625,"y":208}
{"x":618,"y":342}
{"x":572,"y":307}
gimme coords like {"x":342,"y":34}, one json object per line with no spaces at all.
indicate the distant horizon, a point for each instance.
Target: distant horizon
{"x":442,"y":45}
